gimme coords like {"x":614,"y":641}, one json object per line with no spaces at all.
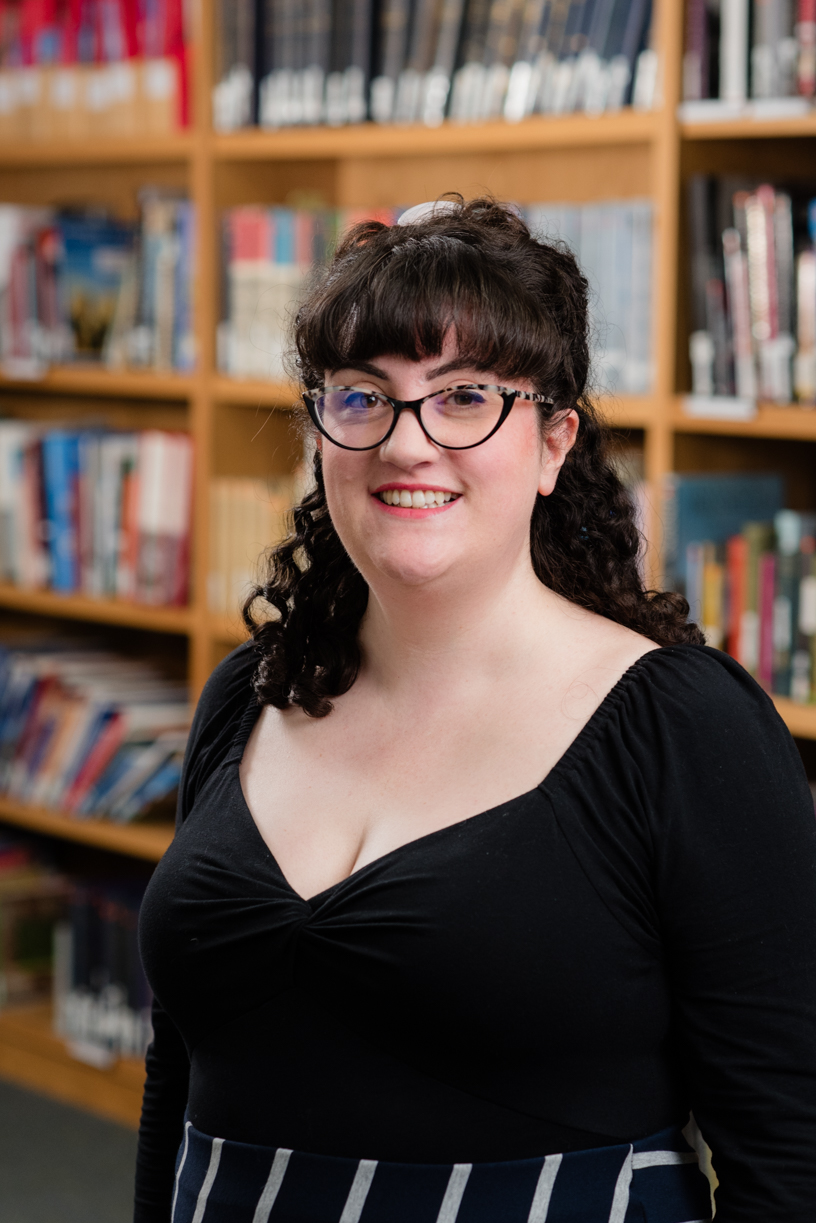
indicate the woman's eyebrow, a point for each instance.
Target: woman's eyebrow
{"x":363,"y":367}
{"x":440,"y":370}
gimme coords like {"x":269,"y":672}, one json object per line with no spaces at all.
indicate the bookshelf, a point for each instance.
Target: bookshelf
{"x":241,"y":428}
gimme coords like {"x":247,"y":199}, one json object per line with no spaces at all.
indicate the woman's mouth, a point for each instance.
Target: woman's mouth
{"x":417,"y":499}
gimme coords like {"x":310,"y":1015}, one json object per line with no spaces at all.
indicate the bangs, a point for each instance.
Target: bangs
{"x":394,"y":293}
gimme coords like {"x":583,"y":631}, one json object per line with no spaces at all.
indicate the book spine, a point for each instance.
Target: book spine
{"x":806,"y":41}
{"x":734,"y":19}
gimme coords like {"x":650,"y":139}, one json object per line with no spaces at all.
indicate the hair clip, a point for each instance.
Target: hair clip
{"x":419,"y":212}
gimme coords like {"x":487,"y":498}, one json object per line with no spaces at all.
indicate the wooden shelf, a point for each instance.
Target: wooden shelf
{"x":750,"y":129}
{"x":799,"y":719}
{"x":255,"y":392}
{"x":771,"y":420}
{"x":101,"y":611}
{"x":103,"y":150}
{"x":146,"y":841}
{"x":33,"y":1056}
{"x":98,"y":380}
{"x":376,"y":140}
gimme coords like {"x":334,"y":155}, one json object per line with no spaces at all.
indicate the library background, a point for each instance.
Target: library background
{"x":169,"y":173}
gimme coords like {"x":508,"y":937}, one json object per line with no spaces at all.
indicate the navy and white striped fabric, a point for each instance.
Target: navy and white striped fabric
{"x":655,"y":1180}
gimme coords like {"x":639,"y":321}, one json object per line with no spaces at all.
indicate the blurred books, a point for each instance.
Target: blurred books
{"x":106,"y":514}
{"x":422,"y":61}
{"x":246,"y":518}
{"x":90,"y":69}
{"x":84,"y":286}
{"x":753,"y":282}
{"x":752,"y":57}
{"x":87,"y":731}
{"x":269,"y":254}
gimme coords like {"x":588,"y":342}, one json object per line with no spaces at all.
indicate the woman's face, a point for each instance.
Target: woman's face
{"x":491,"y":489}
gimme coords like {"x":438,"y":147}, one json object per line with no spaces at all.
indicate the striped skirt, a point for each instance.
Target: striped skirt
{"x":654,"y":1180}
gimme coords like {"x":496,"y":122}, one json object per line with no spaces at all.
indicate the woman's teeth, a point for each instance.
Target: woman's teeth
{"x":414,"y":500}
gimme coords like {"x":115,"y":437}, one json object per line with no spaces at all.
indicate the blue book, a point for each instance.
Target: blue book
{"x":95,"y":252}
{"x":711,"y":508}
{"x":60,"y":453}
{"x":284,"y":235}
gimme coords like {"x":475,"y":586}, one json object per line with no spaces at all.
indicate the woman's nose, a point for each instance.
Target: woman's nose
{"x":408,"y":444}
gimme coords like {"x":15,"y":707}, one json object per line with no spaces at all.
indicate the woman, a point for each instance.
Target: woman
{"x":375,"y":1004}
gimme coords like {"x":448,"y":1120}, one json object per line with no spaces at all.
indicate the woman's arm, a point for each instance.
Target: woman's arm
{"x":735,"y":850}
{"x":162,"y":1123}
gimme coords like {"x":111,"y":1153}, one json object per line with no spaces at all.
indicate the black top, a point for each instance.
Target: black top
{"x":576,"y":967}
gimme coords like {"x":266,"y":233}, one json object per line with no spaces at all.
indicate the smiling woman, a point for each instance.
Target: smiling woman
{"x":487,"y":870}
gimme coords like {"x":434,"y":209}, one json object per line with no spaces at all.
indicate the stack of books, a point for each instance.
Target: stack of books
{"x":246,"y":517}
{"x":107,"y":514}
{"x":99,"y":67}
{"x":753,"y":274}
{"x":748,"y":569}
{"x":269,"y":254}
{"x":83,"y":286}
{"x":101,"y":996}
{"x":754,"y":57}
{"x":421,"y":61}
{"x":88,"y":731}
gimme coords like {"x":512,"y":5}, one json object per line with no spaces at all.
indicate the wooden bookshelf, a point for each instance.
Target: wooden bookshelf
{"x":32,"y":1056}
{"x":239,"y":427}
{"x":136,"y":840}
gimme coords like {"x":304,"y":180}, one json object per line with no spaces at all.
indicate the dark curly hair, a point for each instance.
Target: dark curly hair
{"x":518,"y":308}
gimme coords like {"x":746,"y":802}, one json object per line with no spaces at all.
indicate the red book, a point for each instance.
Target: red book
{"x":806,"y":38}
{"x":736,"y":563}
{"x":97,"y":759}
{"x":765,"y":602}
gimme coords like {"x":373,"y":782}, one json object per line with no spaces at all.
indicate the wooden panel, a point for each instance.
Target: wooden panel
{"x":772,"y":420}
{"x":100,"y":611}
{"x":32,"y":1056}
{"x":115,"y":186}
{"x":87,"y":411}
{"x":371,"y":140}
{"x":110,"y":150}
{"x":97,"y":380}
{"x":567,"y":174}
{"x":255,"y":442}
{"x":275,"y":182}
{"x":756,"y":158}
{"x":800,"y":719}
{"x":716,"y":452}
{"x":750,"y":130}
{"x":147,"y":841}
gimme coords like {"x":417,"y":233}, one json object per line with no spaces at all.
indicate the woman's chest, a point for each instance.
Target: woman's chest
{"x":330,"y":797}
{"x":489,"y":923}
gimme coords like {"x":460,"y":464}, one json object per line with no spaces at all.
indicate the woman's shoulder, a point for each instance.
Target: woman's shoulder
{"x":229,"y":684}
{"x":697,"y":683}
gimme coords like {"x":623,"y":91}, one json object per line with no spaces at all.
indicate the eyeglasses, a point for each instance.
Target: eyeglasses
{"x":456,"y":418}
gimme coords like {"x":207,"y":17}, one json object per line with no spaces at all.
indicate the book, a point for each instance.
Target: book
{"x":105,"y":513}
{"x":613,"y":245}
{"x":101,"y":996}
{"x":700,"y":508}
{"x":390,"y":57}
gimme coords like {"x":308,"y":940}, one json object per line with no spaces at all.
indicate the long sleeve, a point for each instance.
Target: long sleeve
{"x":162,"y":1121}
{"x":168,"y":1066}
{"x":735,"y":853}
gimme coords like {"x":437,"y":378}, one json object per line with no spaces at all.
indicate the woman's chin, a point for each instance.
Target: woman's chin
{"x":409,"y":568}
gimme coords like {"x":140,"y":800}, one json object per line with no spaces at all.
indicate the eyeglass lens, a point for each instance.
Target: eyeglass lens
{"x":456,"y":417}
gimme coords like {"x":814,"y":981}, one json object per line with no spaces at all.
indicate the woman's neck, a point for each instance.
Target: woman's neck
{"x":441,"y":633}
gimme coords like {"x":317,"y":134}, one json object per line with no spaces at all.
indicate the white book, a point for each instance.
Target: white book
{"x":734,"y":50}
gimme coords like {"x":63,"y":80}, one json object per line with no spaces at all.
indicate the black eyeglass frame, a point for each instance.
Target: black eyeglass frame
{"x":509,"y":397}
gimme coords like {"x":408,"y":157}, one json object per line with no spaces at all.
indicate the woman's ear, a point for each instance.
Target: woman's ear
{"x":556,"y":445}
